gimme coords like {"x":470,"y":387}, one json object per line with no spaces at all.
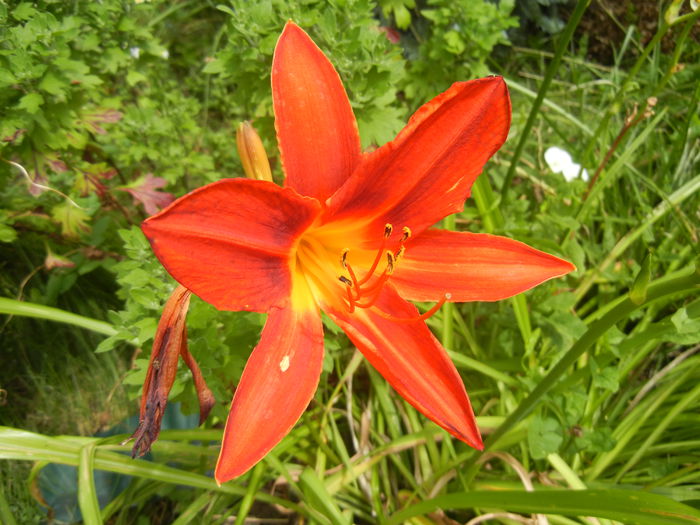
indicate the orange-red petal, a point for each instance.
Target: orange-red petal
{"x":230,"y":242}
{"x":426,"y":172}
{"x":413,"y":361}
{"x":471,"y":267}
{"x":278,"y":382}
{"x":316,"y":130}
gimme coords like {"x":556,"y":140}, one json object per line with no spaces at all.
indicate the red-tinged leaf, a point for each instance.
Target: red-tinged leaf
{"x":55,"y":163}
{"x":426,"y":173}
{"x":11,"y":138}
{"x":230,"y":241}
{"x":167,"y":346}
{"x":316,"y":129}
{"x":413,"y":361}
{"x":53,"y":261}
{"x":95,"y":119}
{"x":471,"y":267}
{"x":146,"y":192}
{"x":278,"y":382}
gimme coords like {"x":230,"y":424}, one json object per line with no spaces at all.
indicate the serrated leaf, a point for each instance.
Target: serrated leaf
{"x":31,"y":102}
{"x":213,"y":67}
{"x":73,"y":220}
{"x":53,"y":85}
{"x":544,"y":436}
{"x":24,"y":11}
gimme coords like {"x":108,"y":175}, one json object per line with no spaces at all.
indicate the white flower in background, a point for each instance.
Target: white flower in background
{"x":560,"y":161}
{"x":165,"y":54}
{"x":694,"y":4}
{"x":135,"y":52}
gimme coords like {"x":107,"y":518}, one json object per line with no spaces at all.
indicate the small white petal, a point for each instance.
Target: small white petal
{"x":557,"y":159}
{"x":135,"y":52}
{"x":165,"y":54}
{"x":571,"y":171}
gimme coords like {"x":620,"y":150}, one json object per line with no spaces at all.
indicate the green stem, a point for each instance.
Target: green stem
{"x":48,"y":313}
{"x":562,"y":46}
{"x":624,"y":307}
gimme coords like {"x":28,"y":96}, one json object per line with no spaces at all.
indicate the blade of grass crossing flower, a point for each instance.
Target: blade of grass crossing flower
{"x":48,"y":313}
{"x":562,"y":46}
{"x":249,"y":498}
{"x":630,"y":507}
{"x":87,"y":495}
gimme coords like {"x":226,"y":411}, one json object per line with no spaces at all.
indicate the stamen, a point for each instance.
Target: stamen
{"x":421,"y":317}
{"x":351,"y":301}
{"x":387,"y":232}
{"x":389,"y":263}
{"x":399,"y":253}
{"x":344,"y":257}
{"x":345,"y":281}
{"x":406,"y":234}
{"x":354,"y":281}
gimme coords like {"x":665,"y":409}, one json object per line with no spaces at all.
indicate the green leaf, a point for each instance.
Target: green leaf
{"x":627,"y":506}
{"x":638,"y":293}
{"x":31,"y":102}
{"x":7,"y":233}
{"x":24,"y":11}
{"x":87,"y":495}
{"x":544,"y":436}
{"x":214,"y":67}
{"x":53,"y":85}
{"x":73,"y":220}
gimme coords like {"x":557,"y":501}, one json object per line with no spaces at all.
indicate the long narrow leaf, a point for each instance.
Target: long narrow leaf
{"x":629,"y":507}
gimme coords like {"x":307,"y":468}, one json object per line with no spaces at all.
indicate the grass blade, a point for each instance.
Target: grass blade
{"x":630,"y":507}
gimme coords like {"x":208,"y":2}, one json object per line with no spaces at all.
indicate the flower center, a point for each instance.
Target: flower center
{"x":326,"y":273}
{"x":364,"y":292}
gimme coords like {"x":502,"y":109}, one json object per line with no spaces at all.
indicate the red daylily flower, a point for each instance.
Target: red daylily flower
{"x":349,"y":234}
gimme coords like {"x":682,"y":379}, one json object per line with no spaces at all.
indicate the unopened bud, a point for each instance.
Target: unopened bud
{"x":252,"y":153}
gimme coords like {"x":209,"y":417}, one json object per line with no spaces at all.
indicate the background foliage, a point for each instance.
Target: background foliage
{"x":114,"y":107}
